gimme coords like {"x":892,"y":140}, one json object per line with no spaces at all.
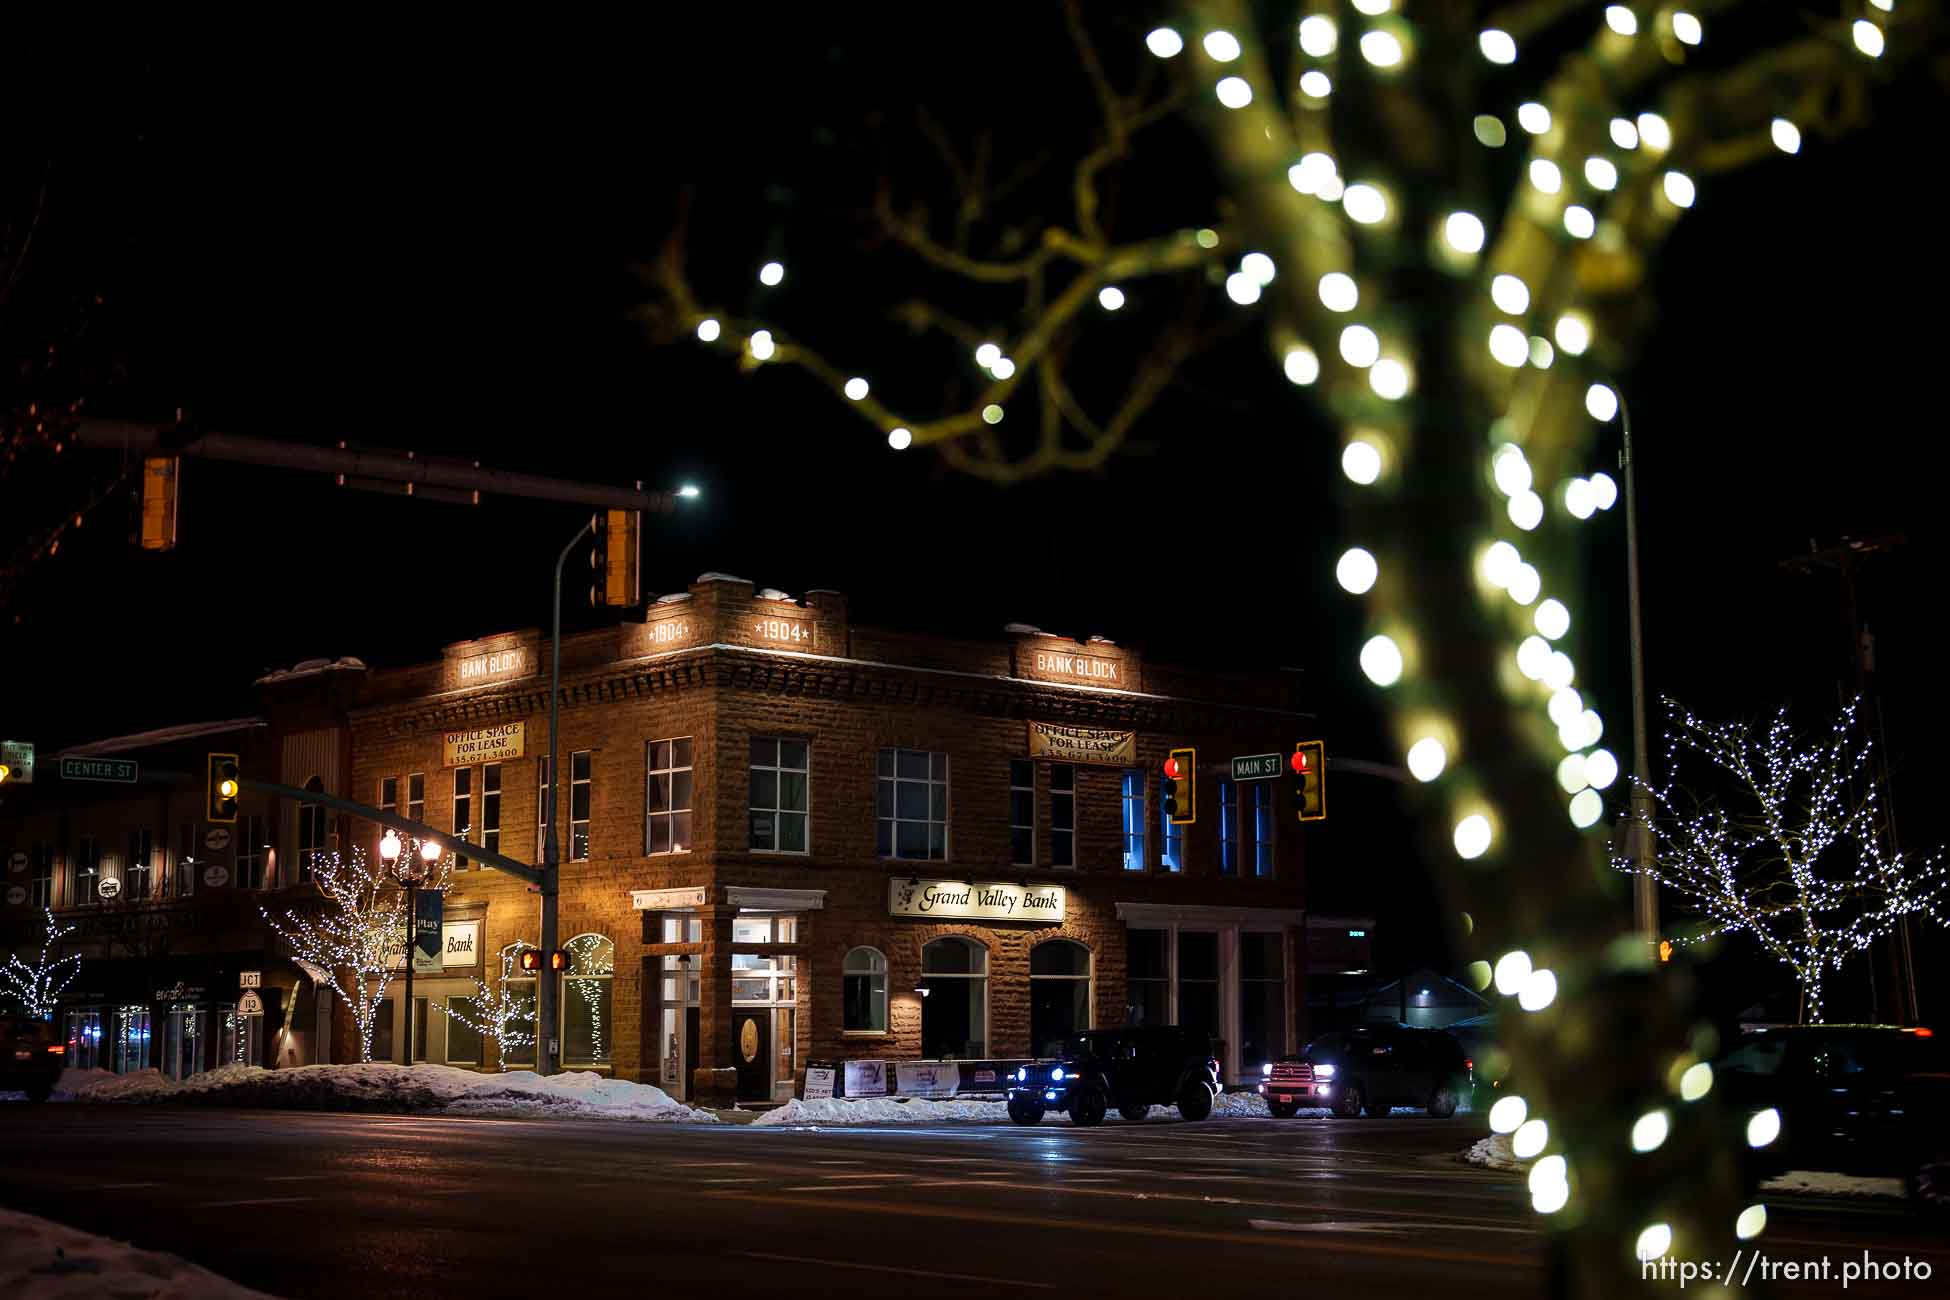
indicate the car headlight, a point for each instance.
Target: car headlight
{"x":1022,"y":1073}
{"x":1056,"y":1075}
{"x":1266,"y":1071}
{"x":1323,"y":1072}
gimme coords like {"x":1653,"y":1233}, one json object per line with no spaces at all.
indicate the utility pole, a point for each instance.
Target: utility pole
{"x":547,"y":1041}
{"x":1845,"y":559}
{"x":1645,"y":889}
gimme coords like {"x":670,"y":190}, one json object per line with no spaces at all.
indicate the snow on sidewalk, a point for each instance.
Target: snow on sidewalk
{"x":1494,"y":1153}
{"x":838,"y":1112}
{"x":376,"y":1086}
{"x":40,"y":1260}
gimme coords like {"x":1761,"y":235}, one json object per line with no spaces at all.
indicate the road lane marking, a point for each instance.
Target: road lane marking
{"x":255,"y":1200}
{"x":1119,"y":1228}
{"x":1357,"y":1225}
{"x":892,"y":1268}
{"x":748,"y":1178}
{"x":295,"y":1178}
{"x":123,"y":1187}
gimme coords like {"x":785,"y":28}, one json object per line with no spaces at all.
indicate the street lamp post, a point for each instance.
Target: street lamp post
{"x":411,"y":873}
{"x":1645,"y":889}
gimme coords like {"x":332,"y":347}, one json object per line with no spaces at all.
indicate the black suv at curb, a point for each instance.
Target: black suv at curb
{"x":1370,"y":1070}
{"x":30,"y":1059}
{"x":1132,"y":1069}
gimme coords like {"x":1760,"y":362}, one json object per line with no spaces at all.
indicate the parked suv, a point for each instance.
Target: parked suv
{"x":1369,"y":1069}
{"x":30,"y":1059}
{"x":1132,"y":1069}
{"x":1854,"y":1099}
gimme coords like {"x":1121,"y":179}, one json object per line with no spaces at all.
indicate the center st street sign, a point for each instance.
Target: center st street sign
{"x":1256,"y":767}
{"x":99,"y":769}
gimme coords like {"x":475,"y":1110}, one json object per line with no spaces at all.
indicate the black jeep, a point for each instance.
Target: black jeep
{"x":1132,"y":1069}
{"x":30,"y":1059}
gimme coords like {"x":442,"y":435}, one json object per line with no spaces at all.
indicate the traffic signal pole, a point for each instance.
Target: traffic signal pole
{"x":1645,"y":889}
{"x":551,"y":876}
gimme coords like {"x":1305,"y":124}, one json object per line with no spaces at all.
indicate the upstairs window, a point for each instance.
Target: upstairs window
{"x":581,"y":800}
{"x":1134,"y":821}
{"x":463,"y":810}
{"x":311,"y":829}
{"x":1022,"y":812}
{"x":667,"y":796}
{"x":1062,"y":815}
{"x":780,"y":794}
{"x":1171,"y":841}
{"x":913,"y":804}
{"x":491,"y":807}
{"x":136,"y":883}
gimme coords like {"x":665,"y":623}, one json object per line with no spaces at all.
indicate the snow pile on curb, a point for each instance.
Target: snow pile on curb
{"x":842,"y":1111}
{"x":386,"y":1087}
{"x":50,"y":1262}
{"x":1812,"y":1183}
{"x":1494,"y":1153}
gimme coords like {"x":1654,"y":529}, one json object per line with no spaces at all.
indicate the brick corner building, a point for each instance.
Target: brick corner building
{"x":787,"y":839}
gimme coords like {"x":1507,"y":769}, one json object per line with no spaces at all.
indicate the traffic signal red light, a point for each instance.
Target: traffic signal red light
{"x":1308,"y":778}
{"x":1181,"y":786}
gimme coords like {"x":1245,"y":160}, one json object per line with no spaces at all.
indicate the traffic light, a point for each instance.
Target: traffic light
{"x":1181,"y":787}
{"x":5,"y":772}
{"x":531,"y":959}
{"x":558,"y":960}
{"x":1665,"y":950}
{"x":161,"y":477}
{"x":615,"y":578}
{"x":1307,"y":774}
{"x":221,"y":789}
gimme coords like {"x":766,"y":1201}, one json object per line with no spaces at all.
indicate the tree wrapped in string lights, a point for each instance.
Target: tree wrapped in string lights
{"x":37,"y":988}
{"x":1796,"y":857}
{"x":356,"y":935}
{"x":502,"y":1012}
{"x":1445,"y":218}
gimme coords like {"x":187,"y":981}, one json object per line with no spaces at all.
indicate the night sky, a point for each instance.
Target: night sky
{"x":428,"y":242}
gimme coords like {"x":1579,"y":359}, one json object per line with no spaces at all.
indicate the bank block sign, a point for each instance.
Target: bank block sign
{"x":961,"y":900}
{"x":488,"y":745}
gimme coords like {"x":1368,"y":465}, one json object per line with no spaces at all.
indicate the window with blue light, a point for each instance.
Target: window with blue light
{"x":1171,"y":855}
{"x":1134,"y":849}
{"x":1228,"y":830}
{"x":1262,"y":816}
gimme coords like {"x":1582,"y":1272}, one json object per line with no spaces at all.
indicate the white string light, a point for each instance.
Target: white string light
{"x":1164,"y":42}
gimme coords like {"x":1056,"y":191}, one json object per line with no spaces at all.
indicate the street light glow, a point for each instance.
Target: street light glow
{"x":690,"y":492}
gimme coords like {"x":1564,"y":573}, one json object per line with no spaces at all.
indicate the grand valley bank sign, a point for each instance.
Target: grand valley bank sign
{"x":957,"y":900}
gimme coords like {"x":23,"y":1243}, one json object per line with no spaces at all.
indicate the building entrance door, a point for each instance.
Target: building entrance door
{"x":751,"y":1053}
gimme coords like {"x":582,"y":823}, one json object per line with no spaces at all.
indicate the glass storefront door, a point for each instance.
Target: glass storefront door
{"x":184,"y":1037}
{"x":764,"y":992}
{"x":680,"y":1006}
{"x":85,"y":1038}
{"x":131,"y":1051}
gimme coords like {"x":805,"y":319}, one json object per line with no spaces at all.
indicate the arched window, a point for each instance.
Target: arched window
{"x":1059,"y":994}
{"x":864,"y":978}
{"x":311,"y":829}
{"x":954,"y":1000}
{"x":586,"y":1001}
{"x":518,"y":1004}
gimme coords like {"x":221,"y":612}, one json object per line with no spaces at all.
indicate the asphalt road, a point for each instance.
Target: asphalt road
{"x":304,"y":1205}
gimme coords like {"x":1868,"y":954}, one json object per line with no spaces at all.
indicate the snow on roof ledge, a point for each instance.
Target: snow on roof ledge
{"x":1023,"y":629}
{"x":164,"y":736}
{"x":673,"y":597}
{"x":773,"y":593}
{"x":715,"y":576}
{"x":312,"y":668}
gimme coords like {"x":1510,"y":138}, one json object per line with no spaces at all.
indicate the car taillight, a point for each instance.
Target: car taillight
{"x":1468,"y":1063}
{"x":58,"y":1048}
{"x":1921,"y":1032}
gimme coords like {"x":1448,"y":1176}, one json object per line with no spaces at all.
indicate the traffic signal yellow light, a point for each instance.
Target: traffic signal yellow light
{"x":1307,"y":775}
{"x":1181,"y":787}
{"x":221,"y":789}
{"x":161,"y":477}
{"x":615,"y":579}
